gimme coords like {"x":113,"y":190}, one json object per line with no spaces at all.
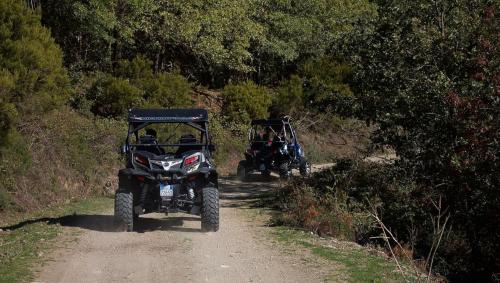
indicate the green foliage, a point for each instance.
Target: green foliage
{"x":230,"y":138}
{"x":218,"y":33}
{"x":245,"y":101}
{"x":322,"y":83}
{"x":361,"y":265}
{"x":288,"y":98}
{"x":167,"y":90}
{"x":32,"y":78}
{"x":428,"y":76}
{"x":135,"y":85}
{"x":137,"y":69}
{"x":64,"y":160}
{"x":212,"y":41}
{"x":326,"y":77}
{"x":297,"y":30}
{"x":96,"y":33}
{"x":112,"y":97}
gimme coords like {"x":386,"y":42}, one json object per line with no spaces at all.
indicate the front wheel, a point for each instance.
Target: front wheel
{"x":210,"y":210}
{"x":124,"y":209}
{"x":305,"y":168}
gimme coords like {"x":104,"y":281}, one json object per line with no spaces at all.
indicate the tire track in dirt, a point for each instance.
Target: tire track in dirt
{"x":173,"y":249}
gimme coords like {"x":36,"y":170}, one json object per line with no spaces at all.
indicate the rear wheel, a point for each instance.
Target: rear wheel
{"x":124,"y":209}
{"x":284,"y":171}
{"x":305,"y":168}
{"x":210,"y":210}
{"x":242,"y":171}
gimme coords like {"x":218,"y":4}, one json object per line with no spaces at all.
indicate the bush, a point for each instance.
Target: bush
{"x":230,"y":139}
{"x":288,"y":98}
{"x":327,"y":84}
{"x":245,"y":101}
{"x":135,"y":85}
{"x":433,"y":92}
{"x":167,"y":90}
{"x":112,"y":97}
{"x":32,"y":77}
{"x":67,"y":160}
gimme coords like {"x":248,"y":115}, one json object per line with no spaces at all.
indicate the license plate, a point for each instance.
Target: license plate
{"x":166,"y":190}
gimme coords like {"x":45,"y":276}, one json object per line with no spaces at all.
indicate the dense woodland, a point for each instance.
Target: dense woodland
{"x":424,"y":74}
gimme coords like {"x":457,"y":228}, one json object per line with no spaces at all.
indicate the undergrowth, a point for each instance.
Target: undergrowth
{"x":57,"y":157}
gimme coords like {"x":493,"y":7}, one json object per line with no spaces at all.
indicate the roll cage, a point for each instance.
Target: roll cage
{"x":281,"y":128}
{"x":141,"y":118}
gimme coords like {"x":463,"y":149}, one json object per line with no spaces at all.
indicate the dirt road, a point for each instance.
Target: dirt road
{"x":172,"y":249}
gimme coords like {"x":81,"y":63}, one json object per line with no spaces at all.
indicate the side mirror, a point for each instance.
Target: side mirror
{"x":211,"y":147}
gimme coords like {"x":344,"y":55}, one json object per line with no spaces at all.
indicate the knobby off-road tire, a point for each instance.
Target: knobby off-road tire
{"x":124,"y":209}
{"x":305,"y":168}
{"x":210,"y":210}
{"x":284,"y":171}
{"x":242,"y":171}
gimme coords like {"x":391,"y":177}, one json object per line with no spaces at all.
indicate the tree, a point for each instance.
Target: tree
{"x":32,"y":77}
{"x":210,"y":41}
{"x":245,"y":101}
{"x":289,"y":97}
{"x":97,"y":34}
{"x":428,"y":77}
{"x":296,"y":31}
{"x":134,"y":84}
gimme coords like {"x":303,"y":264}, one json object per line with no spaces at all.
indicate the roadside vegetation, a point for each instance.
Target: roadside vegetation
{"x":352,"y":263}
{"x":23,"y":244}
{"x":419,"y":78}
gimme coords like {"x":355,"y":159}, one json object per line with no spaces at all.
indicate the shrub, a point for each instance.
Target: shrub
{"x":112,"y":97}
{"x":135,"y":85}
{"x":32,"y":77}
{"x":433,"y":92}
{"x":137,"y":68}
{"x":167,"y":90}
{"x":230,"y":139}
{"x":326,"y":84}
{"x":66,"y":160}
{"x":288,"y":98}
{"x":245,"y":101}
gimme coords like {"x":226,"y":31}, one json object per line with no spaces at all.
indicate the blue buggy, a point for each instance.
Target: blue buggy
{"x":273,"y":147}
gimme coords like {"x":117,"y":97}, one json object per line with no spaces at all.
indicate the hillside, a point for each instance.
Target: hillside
{"x":419,"y":79}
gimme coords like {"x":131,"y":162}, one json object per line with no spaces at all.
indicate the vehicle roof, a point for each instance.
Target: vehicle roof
{"x":269,"y":122}
{"x":168,"y":115}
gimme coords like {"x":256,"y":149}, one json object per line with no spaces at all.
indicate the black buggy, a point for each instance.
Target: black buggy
{"x":273,"y":146}
{"x":168,"y":167}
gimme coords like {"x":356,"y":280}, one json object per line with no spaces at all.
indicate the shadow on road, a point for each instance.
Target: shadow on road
{"x":256,"y":192}
{"x":106,"y":223}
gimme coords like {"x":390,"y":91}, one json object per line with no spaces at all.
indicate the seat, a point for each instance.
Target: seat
{"x":149,"y":139}
{"x":188,"y":140}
